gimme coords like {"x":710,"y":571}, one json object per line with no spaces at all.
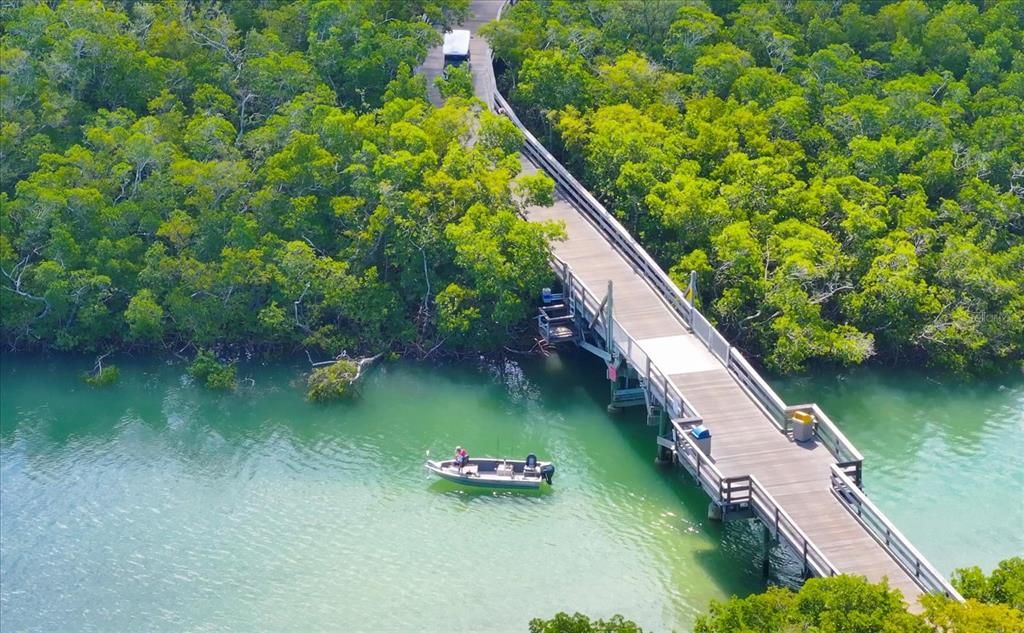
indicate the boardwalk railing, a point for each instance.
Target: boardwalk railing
{"x":785,"y":530}
{"x":665,"y":288}
{"x":589,"y":307}
{"x":697,"y":464}
{"x":770,"y":402}
{"x":746,"y":492}
{"x":879,"y":526}
{"x":848,"y":458}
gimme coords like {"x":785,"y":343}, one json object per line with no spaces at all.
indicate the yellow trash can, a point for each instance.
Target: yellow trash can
{"x":803,"y":426}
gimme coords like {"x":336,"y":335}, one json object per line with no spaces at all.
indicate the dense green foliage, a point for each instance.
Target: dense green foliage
{"x":841,"y":604}
{"x":847,"y":604}
{"x":213,"y":373}
{"x":256,"y":175}
{"x":846,"y":177}
{"x":456,"y":82}
{"x":948,"y":616}
{"x":579,"y":623}
{"x":1005,"y":585}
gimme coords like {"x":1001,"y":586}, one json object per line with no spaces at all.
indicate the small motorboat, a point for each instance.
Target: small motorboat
{"x":495,"y":473}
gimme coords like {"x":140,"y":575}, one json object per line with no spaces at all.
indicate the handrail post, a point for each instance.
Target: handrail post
{"x":569,"y":291}
{"x":611,"y":323}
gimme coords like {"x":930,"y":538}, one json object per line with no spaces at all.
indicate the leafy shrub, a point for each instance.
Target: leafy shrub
{"x":457,"y":82}
{"x":105,"y":376}
{"x":213,"y":373}
{"x":332,"y":382}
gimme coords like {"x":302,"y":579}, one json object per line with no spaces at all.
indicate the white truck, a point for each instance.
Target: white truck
{"x":456,"y":48}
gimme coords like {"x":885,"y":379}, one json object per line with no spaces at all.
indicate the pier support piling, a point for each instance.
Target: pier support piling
{"x":714,"y":511}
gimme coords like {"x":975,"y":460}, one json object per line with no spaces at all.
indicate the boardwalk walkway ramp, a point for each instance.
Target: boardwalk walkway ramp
{"x":807,"y":495}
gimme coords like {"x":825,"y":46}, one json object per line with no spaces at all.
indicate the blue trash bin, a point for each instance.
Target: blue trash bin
{"x":702,"y":438}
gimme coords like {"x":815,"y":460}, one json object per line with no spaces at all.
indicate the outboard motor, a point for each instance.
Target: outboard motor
{"x":547,"y":472}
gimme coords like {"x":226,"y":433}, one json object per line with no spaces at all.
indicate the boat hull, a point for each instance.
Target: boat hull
{"x":485,"y":473}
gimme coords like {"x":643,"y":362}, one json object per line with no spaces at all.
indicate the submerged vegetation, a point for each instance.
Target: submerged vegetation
{"x":101,"y":375}
{"x":104,"y":376}
{"x":847,"y":178}
{"x":260,"y":176}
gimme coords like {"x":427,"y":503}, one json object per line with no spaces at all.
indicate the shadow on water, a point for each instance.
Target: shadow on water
{"x":468,"y":493}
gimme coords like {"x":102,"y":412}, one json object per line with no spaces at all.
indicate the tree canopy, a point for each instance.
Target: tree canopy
{"x":846,"y":604}
{"x":579,"y":623}
{"x":847,"y":178}
{"x":851,"y":604}
{"x":1004,"y":585}
{"x":264,"y":175}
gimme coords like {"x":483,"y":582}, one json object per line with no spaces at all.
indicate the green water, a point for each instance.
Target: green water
{"x":155,"y":505}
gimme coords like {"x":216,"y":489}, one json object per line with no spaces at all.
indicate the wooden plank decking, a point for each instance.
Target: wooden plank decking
{"x":744,"y":441}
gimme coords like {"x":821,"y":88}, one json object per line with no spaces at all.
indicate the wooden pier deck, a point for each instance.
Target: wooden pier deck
{"x":791,"y":487}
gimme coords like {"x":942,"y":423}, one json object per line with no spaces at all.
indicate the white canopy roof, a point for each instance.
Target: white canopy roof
{"x":456,"y":43}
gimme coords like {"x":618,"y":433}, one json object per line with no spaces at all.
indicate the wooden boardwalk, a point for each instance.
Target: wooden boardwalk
{"x":746,"y":442}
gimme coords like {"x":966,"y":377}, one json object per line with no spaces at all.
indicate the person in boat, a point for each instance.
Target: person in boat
{"x":460,"y":457}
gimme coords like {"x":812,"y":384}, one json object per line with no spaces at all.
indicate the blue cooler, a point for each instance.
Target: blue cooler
{"x":547,"y":297}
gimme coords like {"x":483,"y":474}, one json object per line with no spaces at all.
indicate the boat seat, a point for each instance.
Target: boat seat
{"x":531,"y":467}
{"x":470,"y":469}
